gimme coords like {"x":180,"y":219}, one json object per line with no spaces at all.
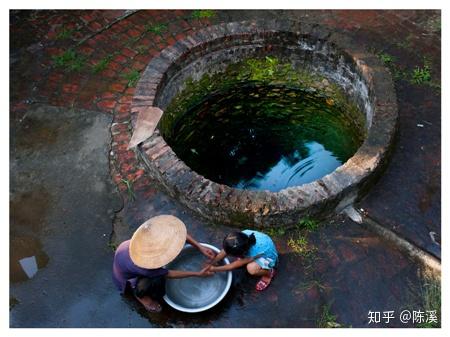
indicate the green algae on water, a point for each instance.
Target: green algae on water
{"x":263,"y":125}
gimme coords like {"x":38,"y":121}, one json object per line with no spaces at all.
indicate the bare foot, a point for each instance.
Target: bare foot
{"x":149,"y":304}
{"x":265,"y":280}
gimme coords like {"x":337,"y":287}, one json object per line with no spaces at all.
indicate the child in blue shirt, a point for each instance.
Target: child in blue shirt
{"x":255,"y":250}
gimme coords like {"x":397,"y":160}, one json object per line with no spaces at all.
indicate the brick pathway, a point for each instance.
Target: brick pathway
{"x":53,"y":62}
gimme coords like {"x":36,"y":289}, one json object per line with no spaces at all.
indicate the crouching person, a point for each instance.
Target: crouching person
{"x":139,"y":262}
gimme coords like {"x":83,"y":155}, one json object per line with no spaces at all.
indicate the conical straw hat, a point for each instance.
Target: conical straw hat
{"x":157,"y":241}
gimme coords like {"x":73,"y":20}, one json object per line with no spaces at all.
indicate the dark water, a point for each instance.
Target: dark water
{"x":27,"y":214}
{"x":264,"y":137}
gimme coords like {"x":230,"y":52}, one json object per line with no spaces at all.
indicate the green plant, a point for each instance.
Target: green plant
{"x":421,"y":75}
{"x":308,"y":223}
{"x":113,"y":246}
{"x":305,"y":286}
{"x":431,"y":300}
{"x":327,"y":319}
{"x":130,"y":191}
{"x":69,"y":60}
{"x":299,"y":245}
{"x":157,"y":29}
{"x":141,"y":49}
{"x":102,"y":64}
{"x":64,"y":34}
{"x":389,"y":61}
{"x":386,"y":58}
{"x":203,"y":13}
{"x":260,"y":70}
{"x":132,"y":77}
{"x":275,"y":231}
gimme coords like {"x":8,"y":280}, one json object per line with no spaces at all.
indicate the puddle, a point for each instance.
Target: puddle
{"x":28,"y":209}
{"x":26,"y":258}
{"x":35,"y":134}
{"x":27,"y":215}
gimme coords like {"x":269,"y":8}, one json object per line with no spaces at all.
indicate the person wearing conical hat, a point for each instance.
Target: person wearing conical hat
{"x":139,"y":262}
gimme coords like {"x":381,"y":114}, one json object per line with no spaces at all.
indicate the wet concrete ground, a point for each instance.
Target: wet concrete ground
{"x":63,"y":203}
{"x":350,"y":271}
{"x":51,"y":182}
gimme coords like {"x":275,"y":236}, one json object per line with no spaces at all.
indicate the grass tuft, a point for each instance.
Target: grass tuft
{"x":203,"y":13}
{"x":157,"y":29}
{"x":132,"y":77}
{"x":130,"y":191}
{"x":421,"y":75}
{"x":431,"y":301}
{"x":327,"y":319}
{"x":69,"y":61}
{"x":102,"y":64}
{"x":308,"y":224}
{"x":64,"y":34}
{"x":387,"y":59}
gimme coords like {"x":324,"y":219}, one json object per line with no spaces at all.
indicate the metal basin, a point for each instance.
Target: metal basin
{"x":195,"y":294}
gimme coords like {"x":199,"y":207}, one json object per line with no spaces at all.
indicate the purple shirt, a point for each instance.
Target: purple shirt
{"x":124,"y":270}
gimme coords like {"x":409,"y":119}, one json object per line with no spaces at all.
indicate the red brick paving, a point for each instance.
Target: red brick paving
{"x":51,"y":82}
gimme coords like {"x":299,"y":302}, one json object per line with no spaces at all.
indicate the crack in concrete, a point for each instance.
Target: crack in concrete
{"x":117,"y":223}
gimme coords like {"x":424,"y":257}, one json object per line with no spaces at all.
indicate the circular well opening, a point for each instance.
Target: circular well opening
{"x":266,"y":122}
{"x":262,"y":124}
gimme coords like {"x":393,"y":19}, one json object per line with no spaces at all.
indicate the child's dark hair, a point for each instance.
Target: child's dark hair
{"x":238,"y":243}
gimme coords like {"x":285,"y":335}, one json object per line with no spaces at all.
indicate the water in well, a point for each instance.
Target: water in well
{"x":263,"y":135}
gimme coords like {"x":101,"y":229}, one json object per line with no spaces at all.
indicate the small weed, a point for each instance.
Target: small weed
{"x":132,"y":77}
{"x":69,"y":60}
{"x":389,"y":61}
{"x":261,"y":69}
{"x":424,"y":297}
{"x":64,"y":34}
{"x":386,"y":58}
{"x":275,"y":231}
{"x":203,"y":13}
{"x":130,"y":191}
{"x":308,"y":223}
{"x":431,"y":298}
{"x":141,"y":49}
{"x":102,"y":64}
{"x":327,"y":319}
{"x":305,"y":286}
{"x":113,"y":246}
{"x":421,"y":75}
{"x":299,"y":245}
{"x":157,"y":29}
